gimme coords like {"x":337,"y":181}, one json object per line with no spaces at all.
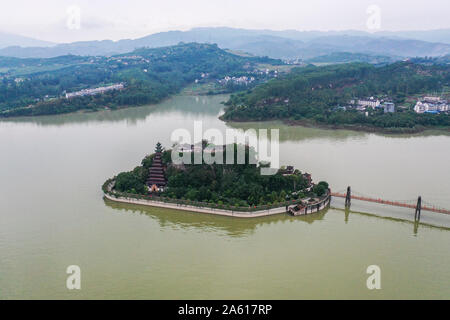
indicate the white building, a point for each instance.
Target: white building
{"x":388,"y":107}
{"x":432,"y":99}
{"x":371,"y":102}
{"x":423,"y":106}
{"x":91,"y":92}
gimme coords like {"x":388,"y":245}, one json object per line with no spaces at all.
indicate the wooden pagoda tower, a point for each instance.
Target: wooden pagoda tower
{"x":156,"y":180}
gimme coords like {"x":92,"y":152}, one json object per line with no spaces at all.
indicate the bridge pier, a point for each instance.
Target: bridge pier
{"x":348,"y":197}
{"x":418,"y":209}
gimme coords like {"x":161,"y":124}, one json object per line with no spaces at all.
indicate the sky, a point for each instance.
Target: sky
{"x":78,"y":20}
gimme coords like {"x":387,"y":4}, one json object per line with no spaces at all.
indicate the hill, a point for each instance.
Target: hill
{"x":314,"y":94}
{"x":8,"y":40}
{"x":346,"y":57}
{"x":38,"y":86}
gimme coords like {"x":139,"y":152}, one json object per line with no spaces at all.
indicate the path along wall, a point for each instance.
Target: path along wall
{"x":314,"y":207}
{"x":311,"y":208}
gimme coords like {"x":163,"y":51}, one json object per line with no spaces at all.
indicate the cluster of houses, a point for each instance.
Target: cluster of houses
{"x":428,"y":104}
{"x":16,"y":80}
{"x":91,"y":92}
{"x":431,"y":105}
{"x":267,"y":72}
{"x":254,"y":75}
{"x":363,"y":104}
{"x":203,"y":76}
{"x":373,"y":103}
{"x":237,"y":80}
{"x":128,"y":60}
{"x":294,"y":61}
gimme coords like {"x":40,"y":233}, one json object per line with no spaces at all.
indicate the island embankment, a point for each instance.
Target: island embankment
{"x":238,"y":212}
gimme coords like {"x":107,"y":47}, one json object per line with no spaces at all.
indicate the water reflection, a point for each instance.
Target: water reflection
{"x":390,"y":212}
{"x":183,"y":104}
{"x":206,"y":108}
{"x":234,"y":227}
{"x":347,"y":214}
{"x":299,"y":133}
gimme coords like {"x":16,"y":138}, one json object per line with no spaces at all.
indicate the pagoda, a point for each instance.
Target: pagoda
{"x":156,"y":180}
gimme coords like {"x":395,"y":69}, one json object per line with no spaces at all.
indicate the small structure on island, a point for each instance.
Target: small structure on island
{"x":308,"y":178}
{"x":313,"y":205}
{"x":157,"y":181}
{"x":287,"y":171}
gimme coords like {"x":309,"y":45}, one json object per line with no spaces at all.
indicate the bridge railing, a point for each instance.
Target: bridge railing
{"x":392,"y":203}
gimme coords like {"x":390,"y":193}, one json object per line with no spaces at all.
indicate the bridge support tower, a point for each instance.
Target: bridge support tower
{"x":348,"y":197}
{"x":418,"y":209}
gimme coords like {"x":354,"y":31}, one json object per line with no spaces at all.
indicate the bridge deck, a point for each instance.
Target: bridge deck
{"x":391,"y":203}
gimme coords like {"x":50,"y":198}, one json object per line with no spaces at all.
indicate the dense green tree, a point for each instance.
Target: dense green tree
{"x":155,"y":75}
{"x":133,"y":182}
{"x":313,"y":93}
{"x":236,"y":185}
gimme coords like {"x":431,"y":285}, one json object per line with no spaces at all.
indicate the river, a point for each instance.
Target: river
{"x":52,"y":215}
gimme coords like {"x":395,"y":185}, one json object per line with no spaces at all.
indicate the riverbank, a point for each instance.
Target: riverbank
{"x":358,"y":128}
{"x":208,"y":89}
{"x":363,"y":128}
{"x":4,"y":116}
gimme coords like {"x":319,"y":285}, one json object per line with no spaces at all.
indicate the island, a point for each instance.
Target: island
{"x":225,"y":189}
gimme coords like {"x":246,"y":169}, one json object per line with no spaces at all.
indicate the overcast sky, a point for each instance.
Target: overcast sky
{"x":55,"y":20}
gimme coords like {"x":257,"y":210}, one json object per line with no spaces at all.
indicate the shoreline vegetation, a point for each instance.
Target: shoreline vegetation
{"x":148,"y":76}
{"x":322,"y":96}
{"x":365,"y":128}
{"x":189,"y":90}
{"x":307,"y":123}
{"x":86,"y":111}
{"x":306,"y":96}
{"x":215,"y":187}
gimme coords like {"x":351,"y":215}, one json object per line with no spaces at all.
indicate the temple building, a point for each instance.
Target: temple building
{"x":308,"y":178}
{"x":287,"y":171}
{"x":156,"y":180}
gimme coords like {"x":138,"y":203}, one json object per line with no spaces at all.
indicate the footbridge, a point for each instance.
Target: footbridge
{"x":417,"y":204}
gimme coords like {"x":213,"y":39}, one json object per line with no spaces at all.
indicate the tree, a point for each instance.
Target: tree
{"x":324,"y":184}
{"x":238,"y":184}
{"x":319,"y":189}
{"x":129,"y":182}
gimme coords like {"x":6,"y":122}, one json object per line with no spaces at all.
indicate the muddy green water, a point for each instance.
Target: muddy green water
{"x":52,"y":215}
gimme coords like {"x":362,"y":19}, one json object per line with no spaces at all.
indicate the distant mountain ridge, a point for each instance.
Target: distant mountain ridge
{"x":346,"y":57}
{"x":7,"y":40}
{"x":276,"y":44}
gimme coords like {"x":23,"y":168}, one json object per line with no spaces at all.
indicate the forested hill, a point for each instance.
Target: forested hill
{"x":37,"y":86}
{"x":313,"y":93}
